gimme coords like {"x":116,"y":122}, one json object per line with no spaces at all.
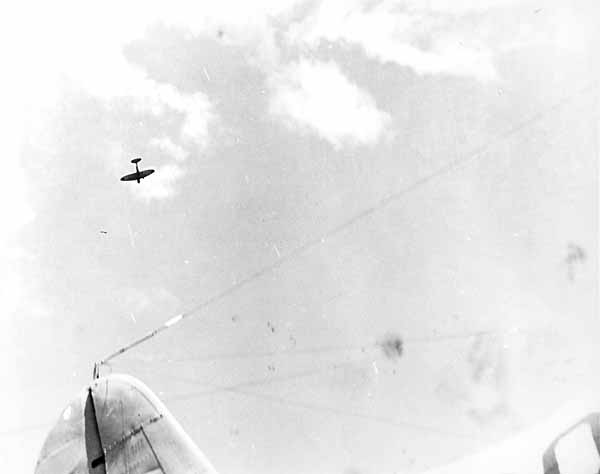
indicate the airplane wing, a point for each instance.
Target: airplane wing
{"x":566,"y":443}
{"x":145,"y":173}
{"x":135,"y":176}
{"x":118,"y":426}
{"x":130,"y":177}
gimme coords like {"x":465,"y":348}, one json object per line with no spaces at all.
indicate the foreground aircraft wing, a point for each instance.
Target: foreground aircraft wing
{"x":566,"y":443}
{"x":118,"y":426}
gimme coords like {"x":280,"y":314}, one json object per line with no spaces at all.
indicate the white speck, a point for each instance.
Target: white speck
{"x":186,"y":262}
{"x":206,"y":73}
{"x":247,"y":179}
{"x":131,"y":240}
{"x":132,"y":317}
{"x":277,"y":251}
{"x":375,"y":368}
{"x":174,"y":320}
{"x":67,"y":413}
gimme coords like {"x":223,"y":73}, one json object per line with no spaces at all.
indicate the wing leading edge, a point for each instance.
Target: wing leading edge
{"x":117,"y":425}
{"x":567,"y":442}
{"x":137,"y":176}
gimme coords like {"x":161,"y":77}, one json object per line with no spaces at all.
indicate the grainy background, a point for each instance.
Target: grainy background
{"x":418,"y":169}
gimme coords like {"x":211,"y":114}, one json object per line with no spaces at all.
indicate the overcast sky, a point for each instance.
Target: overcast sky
{"x":422,"y":169}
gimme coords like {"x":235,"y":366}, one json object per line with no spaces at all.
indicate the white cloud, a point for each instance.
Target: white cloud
{"x":451,"y":37}
{"x":195,"y":108}
{"x":15,"y":208}
{"x":166,"y":145}
{"x":140,"y":301}
{"x":160,"y":185}
{"x":459,"y":7}
{"x":317,"y":96}
{"x":388,"y":31}
{"x":65,"y":40}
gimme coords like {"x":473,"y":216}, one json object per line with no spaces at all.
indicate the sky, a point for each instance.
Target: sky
{"x":329,"y":175}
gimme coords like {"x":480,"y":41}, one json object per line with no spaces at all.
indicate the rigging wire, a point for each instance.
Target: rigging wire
{"x":241,"y":388}
{"x":326,"y":349}
{"x":263,"y":381}
{"x":447,"y":168}
{"x":216,"y":389}
{"x":380,"y":419}
{"x":382,"y":203}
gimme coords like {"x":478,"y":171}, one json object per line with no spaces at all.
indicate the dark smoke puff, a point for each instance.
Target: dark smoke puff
{"x":392,"y":346}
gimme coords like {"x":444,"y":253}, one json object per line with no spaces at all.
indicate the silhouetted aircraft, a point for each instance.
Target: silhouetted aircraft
{"x":118,"y":426}
{"x":138,"y":174}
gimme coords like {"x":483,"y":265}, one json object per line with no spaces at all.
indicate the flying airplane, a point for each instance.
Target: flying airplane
{"x":138,"y":175}
{"x":118,"y":426}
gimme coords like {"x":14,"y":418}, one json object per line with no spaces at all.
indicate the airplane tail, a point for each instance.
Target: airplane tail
{"x":118,"y":425}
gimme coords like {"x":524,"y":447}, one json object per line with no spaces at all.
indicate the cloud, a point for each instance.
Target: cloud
{"x":480,"y":384}
{"x":87,"y":51}
{"x":195,"y":108}
{"x":160,"y":185}
{"x":140,"y":301}
{"x":458,"y":38}
{"x":15,"y":207}
{"x":488,"y":377}
{"x":425,"y":41}
{"x":317,"y":96}
{"x":460,"y":7}
{"x":166,"y":145}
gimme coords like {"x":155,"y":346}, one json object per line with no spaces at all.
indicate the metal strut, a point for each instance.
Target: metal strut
{"x":151,"y":334}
